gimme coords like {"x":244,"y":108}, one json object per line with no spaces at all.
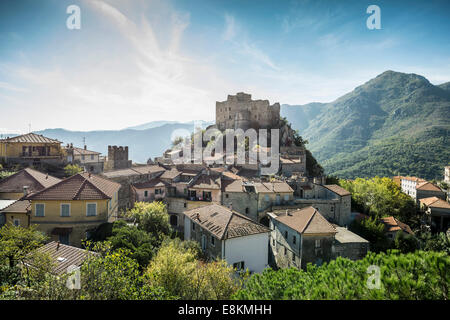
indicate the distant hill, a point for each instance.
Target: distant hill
{"x":396,"y":123}
{"x":156,"y":124}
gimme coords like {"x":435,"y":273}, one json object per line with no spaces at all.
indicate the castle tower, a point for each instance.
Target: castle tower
{"x":117,"y":158}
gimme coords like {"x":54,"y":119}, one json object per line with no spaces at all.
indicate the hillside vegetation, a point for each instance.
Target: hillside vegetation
{"x":394,"y":124}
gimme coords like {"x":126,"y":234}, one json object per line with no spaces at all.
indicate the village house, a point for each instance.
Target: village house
{"x":349,"y":245}
{"x":447,"y":174}
{"x":90,"y":161}
{"x":64,"y":258}
{"x":299,"y":237}
{"x":25,"y":181}
{"x":223,"y":233}
{"x":418,"y":188}
{"x":127,"y":177}
{"x":333,"y":201}
{"x":437,"y":212}
{"x":31,"y":149}
{"x":392,"y":226}
{"x":70,"y":209}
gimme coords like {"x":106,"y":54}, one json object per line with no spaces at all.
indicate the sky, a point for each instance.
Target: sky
{"x":136,"y":61}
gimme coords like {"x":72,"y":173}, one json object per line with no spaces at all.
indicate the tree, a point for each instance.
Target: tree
{"x":419,"y":275}
{"x":151,"y":217}
{"x":141,"y":244}
{"x":405,"y":242}
{"x":17,"y":242}
{"x":373,"y":231}
{"x":177,"y":270}
{"x":115,"y":275}
{"x":381,"y":197}
{"x":72,"y":169}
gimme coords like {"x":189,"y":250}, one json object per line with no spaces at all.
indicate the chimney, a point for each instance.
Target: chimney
{"x":85,"y":147}
{"x":46,"y":176}
{"x":57,"y":246}
{"x":25,"y":191}
{"x":198,"y":216}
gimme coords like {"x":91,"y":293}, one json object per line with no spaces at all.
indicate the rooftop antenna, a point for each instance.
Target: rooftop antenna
{"x":29,"y":128}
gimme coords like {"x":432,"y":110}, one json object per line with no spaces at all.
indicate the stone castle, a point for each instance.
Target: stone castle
{"x":241,"y":112}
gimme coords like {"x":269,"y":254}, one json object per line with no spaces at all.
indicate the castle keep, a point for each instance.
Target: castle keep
{"x":241,"y":112}
{"x":117,"y":158}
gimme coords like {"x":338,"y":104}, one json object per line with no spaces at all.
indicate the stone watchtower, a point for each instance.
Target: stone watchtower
{"x":117,"y":158}
{"x":241,"y":112}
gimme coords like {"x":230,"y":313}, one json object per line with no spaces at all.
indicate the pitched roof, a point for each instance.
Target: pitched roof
{"x":337,"y":189}
{"x":170,"y":174}
{"x":232,"y":186}
{"x":435,"y":202}
{"x":344,"y":235}
{"x":307,"y":221}
{"x":82,"y":186}
{"x":232,"y":175}
{"x":30,"y":138}
{"x":206,"y":182}
{"x":19,"y":206}
{"x":272,"y":187}
{"x":134,"y":171}
{"x":224,"y":223}
{"x":84,"y":151}
{"x":6,"y":203}
{"x":391,"y":225}
{"x":65,"y":256}
{"x":156,"y":182}
{"x":415,"y":179}
{"x":33,"y":179}
{"x":427,"y":186}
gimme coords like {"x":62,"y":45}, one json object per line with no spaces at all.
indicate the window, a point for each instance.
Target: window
{"x":213,"y":241}
{"x":317,"y":243}
{"x":193,"y":226}
{"x":203,"y":242}
{"x":294,"y":239}
{"x":145,"y":194}
{"x":16,"y":222}
{"x":286,"y":235}
{"x":92,"y":157}
{"x":91,"y":209}
{"x":158,"y":191}
{"x":40,"y":210}
{"x":82,"y":157}
{"x":267,"y":197}
{"x":332,"y":209}
{"x":65,"y":210}
{"x":226,"y":195}
{"x":286,"y":197}
{"x":293,"y":257}
{"x":174,"y":220}
{"x":246,"y":210}
{"x":184,"y":204}
{"x":285,"y":251}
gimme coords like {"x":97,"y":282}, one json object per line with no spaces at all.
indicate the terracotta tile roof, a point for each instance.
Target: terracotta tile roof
{"x":337,"y":189}
{"x":148,"y":169}
{"x":307,"y":221}
{"x":435,"y":202}
{"x":153,"y":183}
{"x":427,"y":186}
{"x":416,"y":179}
{"x":82,"y":186}
{"x":223,"y":222}
{"x":33,"y":179}
{"x":20,"y":206}
{"x":206,"y":182}
{"x":289,"y":160}
{"x":428,"y":201}
{"x":232,"y":175}
{"x":5,"y":203}
{"x":31,"y":138}
{"x":65,"y":256}
{"x":272,"y":187}
{"x":391,"y":225}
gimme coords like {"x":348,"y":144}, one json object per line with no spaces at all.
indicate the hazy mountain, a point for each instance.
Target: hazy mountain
{"x":156,"y":124}
{"x":142,"y":144}
{"x":395,"y":123}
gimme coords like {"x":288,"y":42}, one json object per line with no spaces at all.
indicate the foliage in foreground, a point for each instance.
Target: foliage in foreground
{"x":419,"y":275}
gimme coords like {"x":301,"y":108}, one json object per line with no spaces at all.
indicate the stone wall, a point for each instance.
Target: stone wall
{"x":240,"y":111}
{"x":117,"y":158}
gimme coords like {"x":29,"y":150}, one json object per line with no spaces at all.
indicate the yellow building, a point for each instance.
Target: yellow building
{"x":31,"y":148}
{"x":69,"y":210}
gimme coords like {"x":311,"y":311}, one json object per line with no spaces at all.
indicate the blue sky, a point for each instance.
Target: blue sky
{"x":139,"y":61}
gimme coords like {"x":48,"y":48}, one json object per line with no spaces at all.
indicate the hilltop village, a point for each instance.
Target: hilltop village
{"x":252,"y":221}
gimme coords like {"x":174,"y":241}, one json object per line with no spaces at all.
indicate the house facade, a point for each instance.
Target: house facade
{"x":69,"y":210}
{"x":300,"y":237}
{"x":226,"y":234}
{"x":31,"y":149}
{"x":437,"y":212}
